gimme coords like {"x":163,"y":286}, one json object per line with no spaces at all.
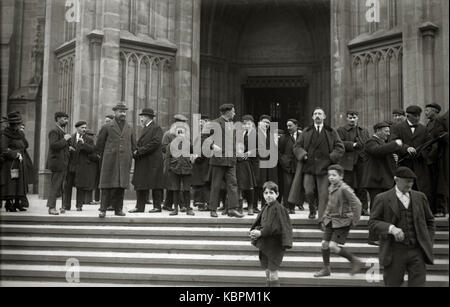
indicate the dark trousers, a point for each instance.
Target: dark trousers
{"x":248,"y":195}
{"x":218,"y":174}
{"x":113,"y":197}
{"x":143,"y":195}
{"x":68,"y":186}
{"x":97,"y":194}
{"x":405,"y":259}
{"x":56,"y":188}
{"x":311,"y":183}
{"x":201,"y":194}
{"x":168,"y":201}
{"x":288,"y":178}
{"x":182,"y":198}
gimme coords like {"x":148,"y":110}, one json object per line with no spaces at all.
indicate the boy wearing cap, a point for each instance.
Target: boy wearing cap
{"x":403,"y":220}
{"x":58,"y":160}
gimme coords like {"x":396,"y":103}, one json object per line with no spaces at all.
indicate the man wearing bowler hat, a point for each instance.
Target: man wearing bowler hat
{"x":58,"y":160}
{"x":115,"y":144}
{"x":148,"y":167}
{"x":403,"y":220}
{"x":413,"y":134}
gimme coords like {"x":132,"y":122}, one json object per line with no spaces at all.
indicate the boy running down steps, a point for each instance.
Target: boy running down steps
{"x":343,"y":212}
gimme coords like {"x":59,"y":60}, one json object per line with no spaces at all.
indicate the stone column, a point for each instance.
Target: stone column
{"x":428,"y":30}
{"x":54,"y":27}
{"x":187,"y":60}
{"x":110,"y":60}
{"x":340,"y":59}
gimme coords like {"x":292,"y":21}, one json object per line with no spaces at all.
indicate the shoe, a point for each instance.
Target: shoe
{"x":312,"y":216}
{"x":256,"y":210}
{"x":220,"y":208}
{"x":250,"y":211}
{"x":120,"y":213}
{"x":155,"y":210}
{"x":225,"y":212}
{"x":183,"y":210}
{"x":213,"y":214}
{"x":291,"y":211}
{"x":20,"y":208}
{"x":110,"y":208}
{"x":301,"y":208}
{"x":439,"y":214}
{"x":135,"y":210}
{"x":190,"y":212}
{"x":374,"y":243}
{"x":167,"y":208}
{"x":62,"y":211}
{"x":325,"y":271}
{"x":79,"y":209}
{"x":174,"y":212}
{"x":357,"y":265}
{"x":102,"y":214}
{"x":364,"y":212}
{"x":235,"y":213}
{"x":53,"y":212}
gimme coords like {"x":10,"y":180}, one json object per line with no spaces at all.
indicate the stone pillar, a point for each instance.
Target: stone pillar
{"x":187,"y":66}
{"x":110,"y":60}
{"x":54,"y":28}
{"x":7,"y":8}
{"x":340,"y":59}
{"x":413,"y":85}
{"x":428,"y":30}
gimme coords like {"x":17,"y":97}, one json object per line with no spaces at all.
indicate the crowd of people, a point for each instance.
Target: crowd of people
{"x":232,"y":178}
{"x":398,"y":174}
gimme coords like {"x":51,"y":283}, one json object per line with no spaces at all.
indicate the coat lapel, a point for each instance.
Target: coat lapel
{"x":393,"y":202}
{"x":116,"y":127}
{"x":145,"y":130}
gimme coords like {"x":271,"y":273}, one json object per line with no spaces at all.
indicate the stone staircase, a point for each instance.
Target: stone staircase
{"x":177,"y":251}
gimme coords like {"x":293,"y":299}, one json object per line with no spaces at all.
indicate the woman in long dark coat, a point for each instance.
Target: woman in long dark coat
{"x":14,"y":169}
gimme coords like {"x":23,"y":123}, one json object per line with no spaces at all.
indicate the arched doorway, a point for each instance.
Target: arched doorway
{"x":265,"y":56}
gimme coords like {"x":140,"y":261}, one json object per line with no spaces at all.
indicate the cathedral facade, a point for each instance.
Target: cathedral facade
{"x":277,"y":57}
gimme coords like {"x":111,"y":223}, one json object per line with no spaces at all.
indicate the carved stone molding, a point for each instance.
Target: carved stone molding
{"x":275,"y":82}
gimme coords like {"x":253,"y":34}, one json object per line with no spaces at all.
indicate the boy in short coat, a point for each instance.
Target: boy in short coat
{"x":343,"y":211}
{"x":272,"y":233}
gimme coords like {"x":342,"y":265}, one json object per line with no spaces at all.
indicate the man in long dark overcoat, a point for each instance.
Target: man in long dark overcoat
{"x":413,"y":134}
{"x":288,"y":162}
{"x":403,"y":220}
{"x":148,"y":167}
{"x":116,"y":144}
{"x":354,"y":136}
{"x":318,"y":147}
{"x":58,"y":160}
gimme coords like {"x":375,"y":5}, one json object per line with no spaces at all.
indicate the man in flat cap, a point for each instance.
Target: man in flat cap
{"x":380,"y":165}
{"x":437,"y":203}
{"x":413,"y":134}
{"x":115,"y":144}
{"x":223,"y":162}
{"x":403,"y":220}
{"x":318,"y":147}
{"x":354,"y":137}
{"x":398,"y":116}
{"x":77,"y":145}
{"x":148,"y":166}
{"x":58,"y":160}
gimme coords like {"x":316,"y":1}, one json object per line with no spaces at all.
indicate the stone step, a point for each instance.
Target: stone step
{"x":203,"y":220}
{"x":175,"y":244}
{"x":38,"y":284}
{"x":213,"y":277}
{"x":205,"y":260}
{"x":160,"y":232}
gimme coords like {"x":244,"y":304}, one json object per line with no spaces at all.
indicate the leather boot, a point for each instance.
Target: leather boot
{"x":175,"y":211}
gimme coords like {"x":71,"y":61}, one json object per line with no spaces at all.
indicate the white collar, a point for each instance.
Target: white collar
{"x":148,"y":124}
{"x":400,"y":193}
